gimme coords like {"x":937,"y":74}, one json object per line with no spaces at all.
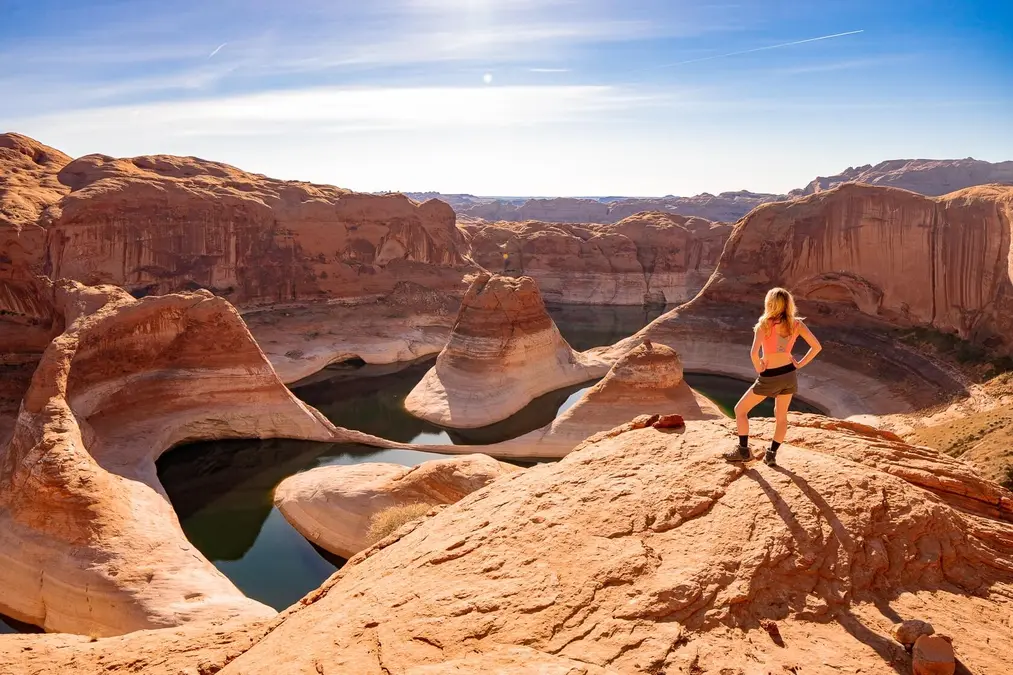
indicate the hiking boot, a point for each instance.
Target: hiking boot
{"x":770,"y":459}
{"x":739,"y":454}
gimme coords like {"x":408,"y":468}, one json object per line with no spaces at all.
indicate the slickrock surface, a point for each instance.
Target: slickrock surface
{"x":162,"y":223}
{"x":646,"y":381}
{"x":88,"y":541}
{"x":332,"y":506}
{"x":410,"y":323}
{"x":900,"y":257}
{"x":925,"y":176}
{"x":650,"y":257}
{"x":643,"y":552}
{"x":503,"y":352}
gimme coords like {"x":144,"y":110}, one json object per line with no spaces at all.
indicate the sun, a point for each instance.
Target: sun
{"x":487,"y":78}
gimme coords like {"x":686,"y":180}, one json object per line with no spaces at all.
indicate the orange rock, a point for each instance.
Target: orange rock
{"x":642,"y":552}
{"x":88,"y":542}
{"x":162,"y":223}
{"x":504,"y":352}
{"x":924,"y":176}
{"x":890,"y":254}
{"x":654,"y":258}
{"x":332,"y":506}
{"x":933,"y":655}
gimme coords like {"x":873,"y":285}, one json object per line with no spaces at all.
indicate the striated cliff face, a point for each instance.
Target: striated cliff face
{"x":727,"y":206}
{"x":646,"y":258}
{"x":503,"y":352}
{"x":924,"y":176}
{"x":907,"y":259}
{"x":28,"y":184}
{"x":160,"y":224}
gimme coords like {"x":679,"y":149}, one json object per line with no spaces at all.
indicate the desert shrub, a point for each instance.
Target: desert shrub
{"x":388,"y":521}
{"x":1007,"y":482}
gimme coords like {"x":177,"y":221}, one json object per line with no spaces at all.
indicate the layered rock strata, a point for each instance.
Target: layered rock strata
{"x":924,"y":176}
{"x":503,"y":352}
{"x":644,"y":552}
{"x":160,"y":224}
{"x":653,"y":258}
{"x":902,"y":258}
{"x":88,"y":541}
{"x":648,"y":380}
{"x":409,"y":323}
{"x":332,"y":506}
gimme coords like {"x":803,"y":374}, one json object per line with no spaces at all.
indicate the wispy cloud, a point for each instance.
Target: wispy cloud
{"x":217,"y":49}
{"x":339,"y":110}
{"x":762,"y":49}
{"x":548,"y":70}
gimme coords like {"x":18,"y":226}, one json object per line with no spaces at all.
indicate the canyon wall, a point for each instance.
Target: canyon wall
{"x":159,"y":224}
{"x":655,"y":258}
{"x":725,"y":207}
{"x":894,"y":255}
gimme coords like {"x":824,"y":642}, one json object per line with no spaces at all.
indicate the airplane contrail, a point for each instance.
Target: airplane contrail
{"x":760,"y":49}
{"x":217,"y":49}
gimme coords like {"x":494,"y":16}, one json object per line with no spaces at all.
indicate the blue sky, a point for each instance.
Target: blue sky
{"x":516,"y":97}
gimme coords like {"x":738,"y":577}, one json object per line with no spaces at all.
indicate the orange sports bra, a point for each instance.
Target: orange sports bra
{"x":775,"y":343}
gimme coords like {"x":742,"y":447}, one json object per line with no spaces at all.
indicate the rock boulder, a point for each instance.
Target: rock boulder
{"x":332,"y":506}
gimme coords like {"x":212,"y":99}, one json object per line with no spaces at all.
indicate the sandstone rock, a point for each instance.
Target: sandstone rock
{"x":906,"y":632}
{"x":503,"y":352}
{"x":924,"y":176}
{"x":727,"y":207}
{"x":160,"y":224}
{"x":650,"y":257}
{"x":933,"y":656}
{"x":88,"y":541}
{"x":332,"y":506}
{"x":885,"y":253}
{"x":28,"y":184}
{"x":645,"y":381}
{"x":409,"y":323}
{"x":641,"y":552}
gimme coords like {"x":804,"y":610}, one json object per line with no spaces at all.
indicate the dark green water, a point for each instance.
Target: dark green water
{"x":223,"y":490}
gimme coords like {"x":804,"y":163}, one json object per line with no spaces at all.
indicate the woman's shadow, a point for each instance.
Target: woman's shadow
{"x":890,"y":651}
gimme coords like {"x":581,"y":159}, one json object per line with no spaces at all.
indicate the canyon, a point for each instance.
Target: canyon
{"x":154,"y":302}
{"x":925,"y":176}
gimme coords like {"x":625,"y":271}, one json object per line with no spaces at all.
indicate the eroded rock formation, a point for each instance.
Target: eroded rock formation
{"x":902,"y":258}
{"x":648,"y":380}
{"x":647,"y":258}
{"x":925,"y":176}
{"x":725,"y":207}
{"x":88,"y":541}
{"x":332,"y":505}
{"x":643,"y":552}
{"x":159,"y":224}
{"x":503,"y":352}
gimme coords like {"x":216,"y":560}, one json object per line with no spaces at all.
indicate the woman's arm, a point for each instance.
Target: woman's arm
{"x":754,"y":352}
{"x":814,"y":345}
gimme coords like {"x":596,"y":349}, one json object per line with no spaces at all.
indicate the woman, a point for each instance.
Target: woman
{"x":773,"y":337}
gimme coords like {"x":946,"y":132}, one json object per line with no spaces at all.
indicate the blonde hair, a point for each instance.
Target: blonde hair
{"x":778,"y":308}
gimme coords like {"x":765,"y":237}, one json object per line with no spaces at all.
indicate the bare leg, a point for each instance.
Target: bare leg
{"x":748,"y":401}
{"x":781,"y":404}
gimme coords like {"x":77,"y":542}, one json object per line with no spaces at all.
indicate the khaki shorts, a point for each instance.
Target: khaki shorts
{"x":776,"y":385}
